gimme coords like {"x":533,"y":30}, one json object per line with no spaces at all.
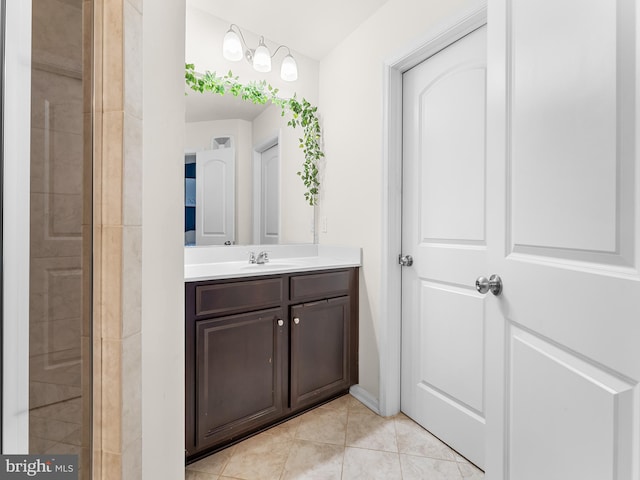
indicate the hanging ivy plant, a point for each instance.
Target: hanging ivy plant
{"x":302,"y":114}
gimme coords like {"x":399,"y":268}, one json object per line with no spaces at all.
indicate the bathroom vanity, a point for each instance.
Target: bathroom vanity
{"x":265,"y":343}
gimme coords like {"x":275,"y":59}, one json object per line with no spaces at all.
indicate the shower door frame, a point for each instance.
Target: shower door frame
{"x":2,"y":22}
{"x":15,"y":185}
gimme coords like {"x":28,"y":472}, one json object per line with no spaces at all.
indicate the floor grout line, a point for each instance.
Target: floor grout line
{"x":370,"y":434}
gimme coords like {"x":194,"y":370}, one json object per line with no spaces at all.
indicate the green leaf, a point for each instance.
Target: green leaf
{"x":260,"y":92}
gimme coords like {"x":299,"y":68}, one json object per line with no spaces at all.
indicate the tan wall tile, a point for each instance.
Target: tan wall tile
{"x":132,"y":171}
{"x":132,"y":61}
{"x":112,"y":164}
{"x":117,"y":238}
{"x":132,"y":461}
{"x":111,"y":291}
{"x":113,"y":51}
{"x":132,"y":281}
{"x":87,"y":285}
{"x":87,"y":169}
{"x":137,"y":4}
{"x":112,"y":396}
{"x":97,"y":417}
{"x":131,"y":391}
{"x":111,"y":466}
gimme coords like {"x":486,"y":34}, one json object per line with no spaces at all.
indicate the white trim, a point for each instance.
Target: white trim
{"x":390,"y":301}
{"x":438,"y":38}
{"x":365,"y":398}
{"x":15,"y":257}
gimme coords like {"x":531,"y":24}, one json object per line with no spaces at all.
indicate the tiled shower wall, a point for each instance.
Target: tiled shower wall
{"x":86,"y":225}
{"x":117,"y":257}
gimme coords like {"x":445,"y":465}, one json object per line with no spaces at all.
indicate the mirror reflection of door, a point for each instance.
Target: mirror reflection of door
{"x":215,"y":196}
{"x":270,"y":195}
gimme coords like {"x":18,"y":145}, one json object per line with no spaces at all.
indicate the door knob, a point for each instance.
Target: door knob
{"x":280,"y":322}
{"x":296,"y":320}
{"x":405,"y":260}
{"x":493,"y":284}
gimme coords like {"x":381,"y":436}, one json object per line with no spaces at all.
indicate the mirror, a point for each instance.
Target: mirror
{"x":243,"y":156}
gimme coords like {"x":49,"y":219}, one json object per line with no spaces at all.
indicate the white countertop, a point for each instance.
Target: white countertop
{"x":215,"y":262}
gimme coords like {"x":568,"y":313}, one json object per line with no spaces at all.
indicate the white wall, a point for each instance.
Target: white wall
{"x":162,"y":241}
{"x":198,"y":135}
{"x":351,"y":100}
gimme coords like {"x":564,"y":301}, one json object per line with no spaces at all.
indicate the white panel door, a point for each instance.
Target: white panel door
{"x":443,"y":320}
{"x":270,"y":196}
{"x":215,"y":196}
{"x":563,"y":233}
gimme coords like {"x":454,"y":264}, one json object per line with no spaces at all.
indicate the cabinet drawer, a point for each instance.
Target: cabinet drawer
{"x":226,"y":298}
{"x":318,"y":286}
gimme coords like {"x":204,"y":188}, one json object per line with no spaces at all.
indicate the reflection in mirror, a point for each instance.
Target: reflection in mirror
{"x":233,"y":178}
{"x":268,"y":203}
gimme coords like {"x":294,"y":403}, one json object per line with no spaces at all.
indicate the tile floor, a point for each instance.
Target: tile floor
{"x":342,"y":440}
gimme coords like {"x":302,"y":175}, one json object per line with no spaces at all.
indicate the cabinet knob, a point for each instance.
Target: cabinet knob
{"x":296,"y":320}
{"x":280,"y":322}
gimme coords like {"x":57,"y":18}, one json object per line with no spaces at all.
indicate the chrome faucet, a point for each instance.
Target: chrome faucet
{"x":260,"y":259}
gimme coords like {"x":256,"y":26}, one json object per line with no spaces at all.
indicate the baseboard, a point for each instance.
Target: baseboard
{"x":365,"y":397}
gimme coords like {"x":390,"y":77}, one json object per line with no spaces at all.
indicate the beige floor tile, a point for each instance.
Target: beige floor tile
{"x":470,"y":472}
{"x":324,"y":426}
{"x":193,"y":475}
{"x":460,"y":458}
{"x":356,"y":406}
{"x":314,"y":461}
{"x":415,"y":440}
{"x":341,"y":403}
{"x":421,"y":468}
{"x":287,"y":429}
{"x":341,"y":440}
{"x":360,"y":464}
{"x":213,"y":464}
{"x":372,"y":432}
{"x":259,"y":458}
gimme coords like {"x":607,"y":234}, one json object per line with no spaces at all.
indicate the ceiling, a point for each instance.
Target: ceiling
{"x":202,"y":107}
{"x":310,"y":27}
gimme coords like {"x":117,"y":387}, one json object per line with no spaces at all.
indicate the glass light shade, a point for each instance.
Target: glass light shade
{"x":232,"y":47}
{"x":289,"y":69}
{"x":262,"y":58}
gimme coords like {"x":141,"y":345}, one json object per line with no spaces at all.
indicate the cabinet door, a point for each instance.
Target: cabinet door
{"x":239,"y":374}
{"x":319,"y":350}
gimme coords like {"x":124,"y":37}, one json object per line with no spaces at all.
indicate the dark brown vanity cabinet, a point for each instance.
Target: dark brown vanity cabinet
{"x":238,"y":357}
{"x":319,"y":350}
{"x":262,"y":349}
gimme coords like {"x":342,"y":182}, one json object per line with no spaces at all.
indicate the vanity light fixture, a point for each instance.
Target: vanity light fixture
{"x":234,"y":48}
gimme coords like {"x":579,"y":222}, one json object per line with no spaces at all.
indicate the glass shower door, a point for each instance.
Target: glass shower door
{"x":47,"y":230}
{"x":60,"y":230}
